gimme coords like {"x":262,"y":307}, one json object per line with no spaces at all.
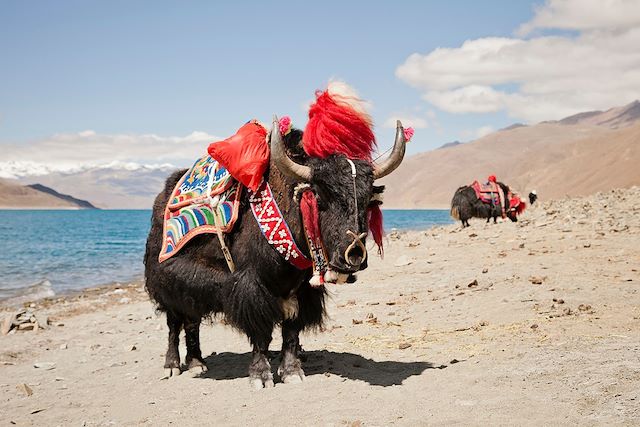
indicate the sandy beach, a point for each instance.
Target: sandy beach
{"x":528,"y":323}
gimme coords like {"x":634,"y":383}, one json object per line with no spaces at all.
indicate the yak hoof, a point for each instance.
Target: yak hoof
{"x":171,"y":372}
{"x":197,"y":366}
{"x":292,"y":374}
{"x":259,"y":384}
{"x":198,"y":370}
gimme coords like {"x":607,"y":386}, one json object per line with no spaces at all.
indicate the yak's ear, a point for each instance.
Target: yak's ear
{"x":376,"y":198}
{"x":293,"y":142}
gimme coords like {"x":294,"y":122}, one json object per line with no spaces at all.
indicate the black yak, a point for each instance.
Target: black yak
{"x":265,"y":290}
{"x":466,"y":204}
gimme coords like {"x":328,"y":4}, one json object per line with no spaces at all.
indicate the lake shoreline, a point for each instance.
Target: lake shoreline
{"x":71,"y":250}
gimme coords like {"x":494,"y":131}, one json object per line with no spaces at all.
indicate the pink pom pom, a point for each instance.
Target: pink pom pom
{"x":408,"y":134}
{"x":285,"y":125}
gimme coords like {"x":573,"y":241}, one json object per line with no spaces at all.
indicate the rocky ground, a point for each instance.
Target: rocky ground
{"x":531,"y":323}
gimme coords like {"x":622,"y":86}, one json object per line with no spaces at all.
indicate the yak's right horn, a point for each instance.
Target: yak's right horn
{"x":396,"y":156}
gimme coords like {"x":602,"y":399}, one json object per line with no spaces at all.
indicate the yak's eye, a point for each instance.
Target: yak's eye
{"x":322,"y":198}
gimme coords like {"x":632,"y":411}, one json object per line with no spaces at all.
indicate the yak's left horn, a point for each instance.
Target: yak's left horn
{"x":281,"y":159}
{"x":396,"y":156}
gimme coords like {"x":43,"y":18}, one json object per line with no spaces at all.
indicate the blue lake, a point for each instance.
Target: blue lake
{"x":48,"y":252}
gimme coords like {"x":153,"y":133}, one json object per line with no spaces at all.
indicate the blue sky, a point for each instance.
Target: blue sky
{"x":170,"y":68}
{"x":88,"y":80}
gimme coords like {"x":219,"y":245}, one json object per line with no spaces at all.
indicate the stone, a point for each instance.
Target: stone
{"x":25,"y":389}
{"x":47,"y":366}
{"x":42,"y":320}
{"x":536,"y":280}
{"x":27,"y":326}
{"x":7,"y":323}
{"x":402,"y":261}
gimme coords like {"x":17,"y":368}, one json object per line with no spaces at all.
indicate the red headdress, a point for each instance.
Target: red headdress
{"x":517,"y":204}
{"x":339,"y":124}
{"x":492,"y":178}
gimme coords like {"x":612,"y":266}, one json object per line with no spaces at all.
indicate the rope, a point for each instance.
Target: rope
{"x":223,"y":244}
{"x":382,"y":154}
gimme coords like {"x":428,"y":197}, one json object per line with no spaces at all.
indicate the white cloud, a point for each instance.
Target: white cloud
{"x":472,"y":99}
{"x":468,"y":134}
{"x":584,"y":15}
{"x":540,"y":78}
{"x":408,"y":120}
{"x":484,"y":131}
{"x":68,"y":153}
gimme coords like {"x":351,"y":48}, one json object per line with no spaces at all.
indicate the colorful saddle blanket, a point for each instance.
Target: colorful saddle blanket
{"x":489,"y":193}
{"x":205,"y":200}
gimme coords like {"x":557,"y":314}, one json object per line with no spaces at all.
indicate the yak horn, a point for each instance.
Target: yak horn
{"x":396,"y":156}
{"x":281,"y":159}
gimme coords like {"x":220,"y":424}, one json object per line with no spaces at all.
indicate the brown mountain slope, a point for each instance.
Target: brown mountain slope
{"x":614,"y":118}
{"x":17,"y":196}
{"x":555,"y":158}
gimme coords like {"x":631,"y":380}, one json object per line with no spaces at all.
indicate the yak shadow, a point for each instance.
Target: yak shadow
{"x":228,"y":366}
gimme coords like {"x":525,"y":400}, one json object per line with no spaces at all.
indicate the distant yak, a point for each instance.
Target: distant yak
{"x":468,"y":203}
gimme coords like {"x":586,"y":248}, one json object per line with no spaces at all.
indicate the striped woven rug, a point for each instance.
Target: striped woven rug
{"x":206,"y":199}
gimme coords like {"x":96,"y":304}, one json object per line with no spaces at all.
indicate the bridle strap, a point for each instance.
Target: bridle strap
{"x":357,"y":238}
{"x":355,"y":194}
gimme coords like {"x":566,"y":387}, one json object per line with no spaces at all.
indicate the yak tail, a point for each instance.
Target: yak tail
{"x":456,"y":203}
{"x":455,"y":213}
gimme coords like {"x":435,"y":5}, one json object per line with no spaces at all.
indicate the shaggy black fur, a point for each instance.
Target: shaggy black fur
{"x":196,"y":282}
{"x":465,"y":204}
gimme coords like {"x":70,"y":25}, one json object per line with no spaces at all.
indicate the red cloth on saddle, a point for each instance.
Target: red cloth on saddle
{"x":490,"y":193}
{"x":245,"y":155}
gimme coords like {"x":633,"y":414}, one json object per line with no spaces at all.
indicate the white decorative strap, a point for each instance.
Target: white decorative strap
{"x":353,"y":168}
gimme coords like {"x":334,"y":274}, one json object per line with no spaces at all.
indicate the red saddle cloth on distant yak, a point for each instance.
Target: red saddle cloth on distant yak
{"x":490,"y":193}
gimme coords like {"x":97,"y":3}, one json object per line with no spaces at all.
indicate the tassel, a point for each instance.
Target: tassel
{"x":376,"y":226}
{"x":316,"y":280}
{"x":309,"y":209}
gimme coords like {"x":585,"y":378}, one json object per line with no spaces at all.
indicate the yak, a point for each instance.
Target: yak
{"x":265,"y":290}
{"x":466,"y":204}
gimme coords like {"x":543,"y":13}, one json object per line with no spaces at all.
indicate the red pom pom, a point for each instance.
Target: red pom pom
{"x":408,"y":134}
